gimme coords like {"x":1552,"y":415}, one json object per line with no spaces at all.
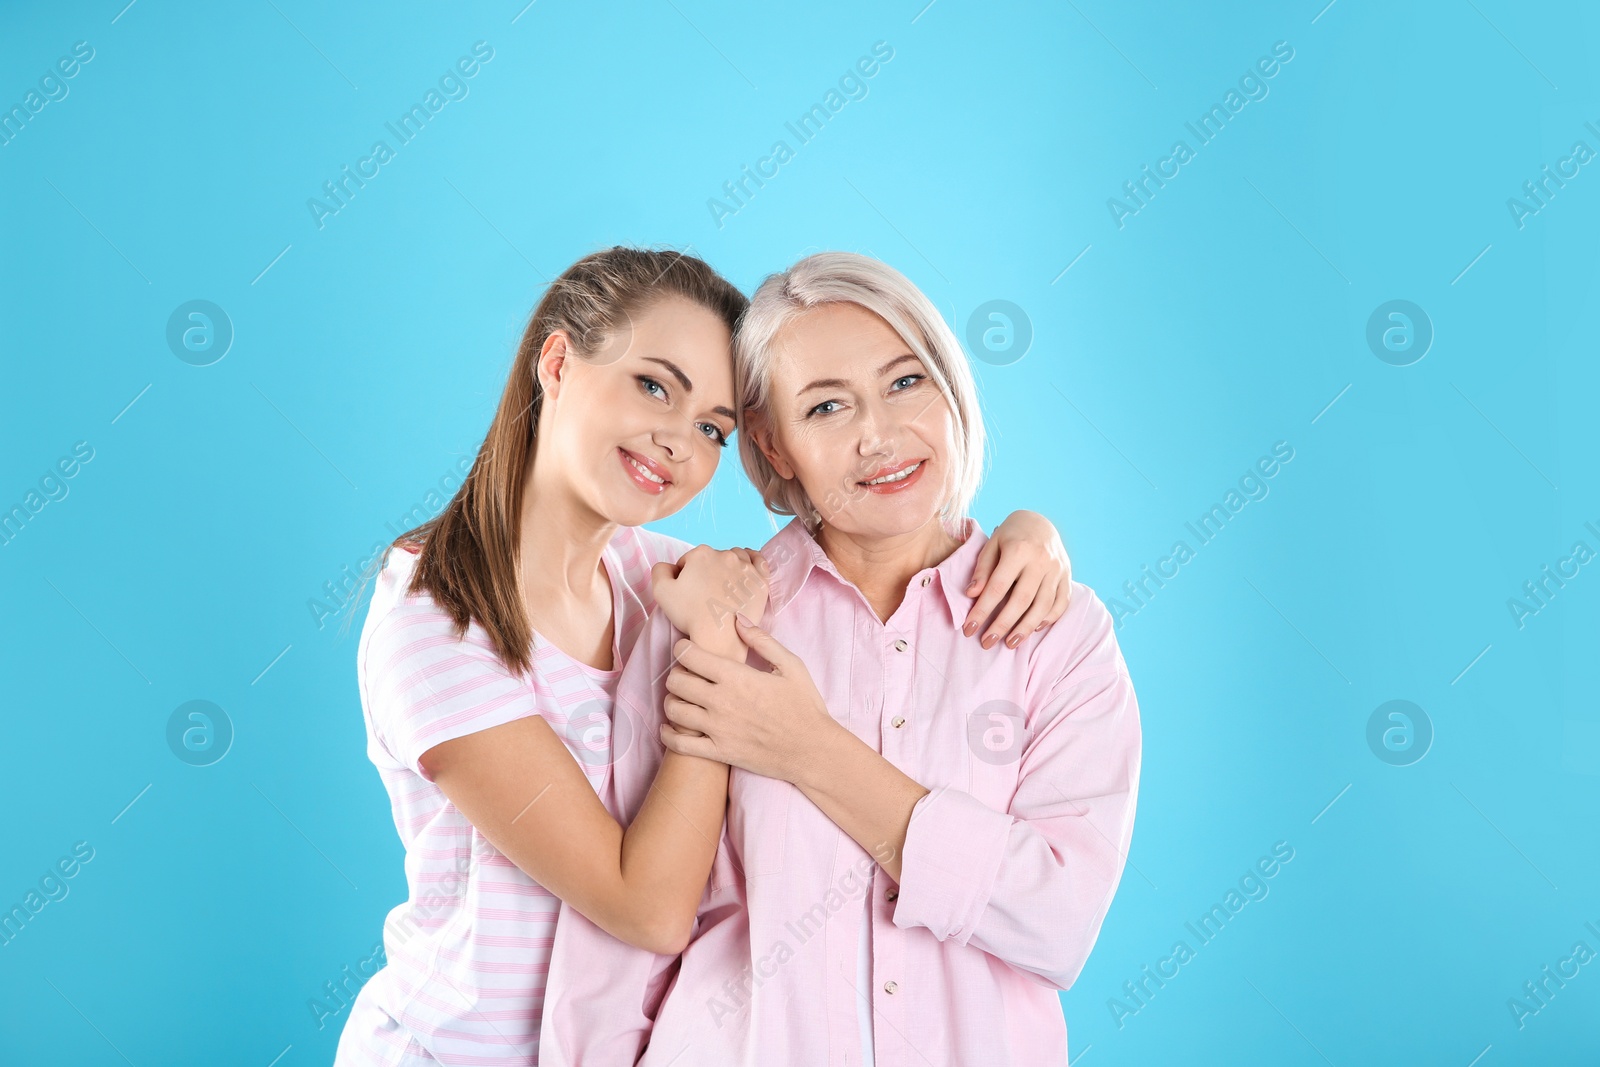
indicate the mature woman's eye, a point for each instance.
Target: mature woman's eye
{"x":818,"y":409}
{"x":909,"y":378}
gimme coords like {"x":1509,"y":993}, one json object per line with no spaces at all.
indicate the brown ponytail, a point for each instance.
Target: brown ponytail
{"x":468,"y":559}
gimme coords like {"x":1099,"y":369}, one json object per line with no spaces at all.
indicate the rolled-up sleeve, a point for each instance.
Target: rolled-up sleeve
{"x":1031,"y":885}
{"x":955,"y":848}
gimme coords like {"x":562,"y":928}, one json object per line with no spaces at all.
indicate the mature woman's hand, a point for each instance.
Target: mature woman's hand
{"x":1025,"y":564}
{"x":772,"y":723}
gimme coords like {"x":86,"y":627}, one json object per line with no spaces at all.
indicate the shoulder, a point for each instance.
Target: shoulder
{"x":1083,"y":639}
{"x":656,"y":547}
{"x":638,"y":549}
{"x":401,"y":624}
{"x":393,"y":587}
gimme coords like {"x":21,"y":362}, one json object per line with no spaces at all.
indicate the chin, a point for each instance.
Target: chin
{"x":626,"y":507}
{"x":636,"y":513}
{"x":878,"y":523}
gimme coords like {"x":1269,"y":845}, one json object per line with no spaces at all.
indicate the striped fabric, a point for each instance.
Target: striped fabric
{"x":468,"y":951}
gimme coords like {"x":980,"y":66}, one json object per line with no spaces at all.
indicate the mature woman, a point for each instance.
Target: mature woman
{"x":495,"y":640}
{"x":922,"y":839}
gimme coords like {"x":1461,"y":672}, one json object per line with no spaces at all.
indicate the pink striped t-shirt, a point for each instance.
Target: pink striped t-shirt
{"x":468,"y":951}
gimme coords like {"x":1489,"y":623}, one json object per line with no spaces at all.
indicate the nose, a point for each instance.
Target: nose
{"x":876,"y":430}
{"x":673,"y":436}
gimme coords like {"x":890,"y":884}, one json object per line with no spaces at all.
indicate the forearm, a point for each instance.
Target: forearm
{"x":864,"y":794}
{"x":668,"y":849}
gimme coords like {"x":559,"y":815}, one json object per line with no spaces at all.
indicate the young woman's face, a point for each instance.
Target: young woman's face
{"x":657,"y":395}
{"x":850,"y":406}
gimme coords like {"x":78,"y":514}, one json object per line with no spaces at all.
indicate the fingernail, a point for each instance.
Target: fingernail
{"x":968,"y":629}
{"x":1013,"y":641}
{"x":741,"y":617}
{"x":988,"y":640}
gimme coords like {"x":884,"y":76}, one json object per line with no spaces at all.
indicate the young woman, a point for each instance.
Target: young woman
{"x":489,"y":659}
{"x":923,"y":838}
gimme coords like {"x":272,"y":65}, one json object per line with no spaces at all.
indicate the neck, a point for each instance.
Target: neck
{"x":560,"y":538}
{"x":881,"y":567}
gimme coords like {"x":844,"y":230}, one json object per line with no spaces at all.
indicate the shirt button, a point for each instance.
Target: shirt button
{"x":897,"y":722}
{"x":900,"y":646}
{"x":926,"y":578}
{"x":890,"y":988}
{"x":892,"y":895}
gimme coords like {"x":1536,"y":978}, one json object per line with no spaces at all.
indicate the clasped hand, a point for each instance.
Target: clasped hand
{"x":769,"y":722}
{"x":765,"y":719}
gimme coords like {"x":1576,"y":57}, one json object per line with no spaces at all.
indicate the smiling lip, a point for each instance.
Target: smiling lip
{"x":629,"y":459}
{"x":897,"y":486}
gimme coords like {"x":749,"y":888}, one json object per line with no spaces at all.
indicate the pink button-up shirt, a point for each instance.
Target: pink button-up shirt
{"x":1031,"y":756}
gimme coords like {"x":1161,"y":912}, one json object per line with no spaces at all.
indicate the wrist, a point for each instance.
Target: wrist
{"x":711,"y":769}
{"x":822,"y":751}
{"x":718,"y":638}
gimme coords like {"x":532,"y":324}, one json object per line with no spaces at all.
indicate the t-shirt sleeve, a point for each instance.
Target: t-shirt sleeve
{"x":426,"y":685}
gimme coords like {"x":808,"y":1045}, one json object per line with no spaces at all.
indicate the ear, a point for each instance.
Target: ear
{"x":760,"y":431}
{"x":552,"y":362}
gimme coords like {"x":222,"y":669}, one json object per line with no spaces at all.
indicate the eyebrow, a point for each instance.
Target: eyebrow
{"x":688,"y":386}
{"x":840,"y":383}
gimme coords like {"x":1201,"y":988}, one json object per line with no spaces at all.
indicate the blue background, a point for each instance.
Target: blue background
{"x":1228,"y":314}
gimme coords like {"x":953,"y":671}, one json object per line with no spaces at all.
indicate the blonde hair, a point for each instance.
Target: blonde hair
{"x":848,"y":278}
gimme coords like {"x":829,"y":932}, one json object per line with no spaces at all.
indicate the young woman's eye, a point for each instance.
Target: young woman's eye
{"x":818,"y":409}
{"x":715,"y":434}
{"x":645,"y":382}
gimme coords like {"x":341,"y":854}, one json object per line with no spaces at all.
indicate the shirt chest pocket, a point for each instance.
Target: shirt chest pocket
{"x":758,"y":821}
{"x":996,"y":737}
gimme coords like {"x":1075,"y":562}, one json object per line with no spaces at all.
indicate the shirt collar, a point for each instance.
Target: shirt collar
{"x":793,"y":555}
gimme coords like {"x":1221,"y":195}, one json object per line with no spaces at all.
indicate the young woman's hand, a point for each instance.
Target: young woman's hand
{"x":772,"y":723}
{"x":702,"y":592}
{"x":1025,"y":564}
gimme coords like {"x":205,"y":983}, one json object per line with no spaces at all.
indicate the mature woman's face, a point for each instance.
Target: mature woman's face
{"x":856,"y":418}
